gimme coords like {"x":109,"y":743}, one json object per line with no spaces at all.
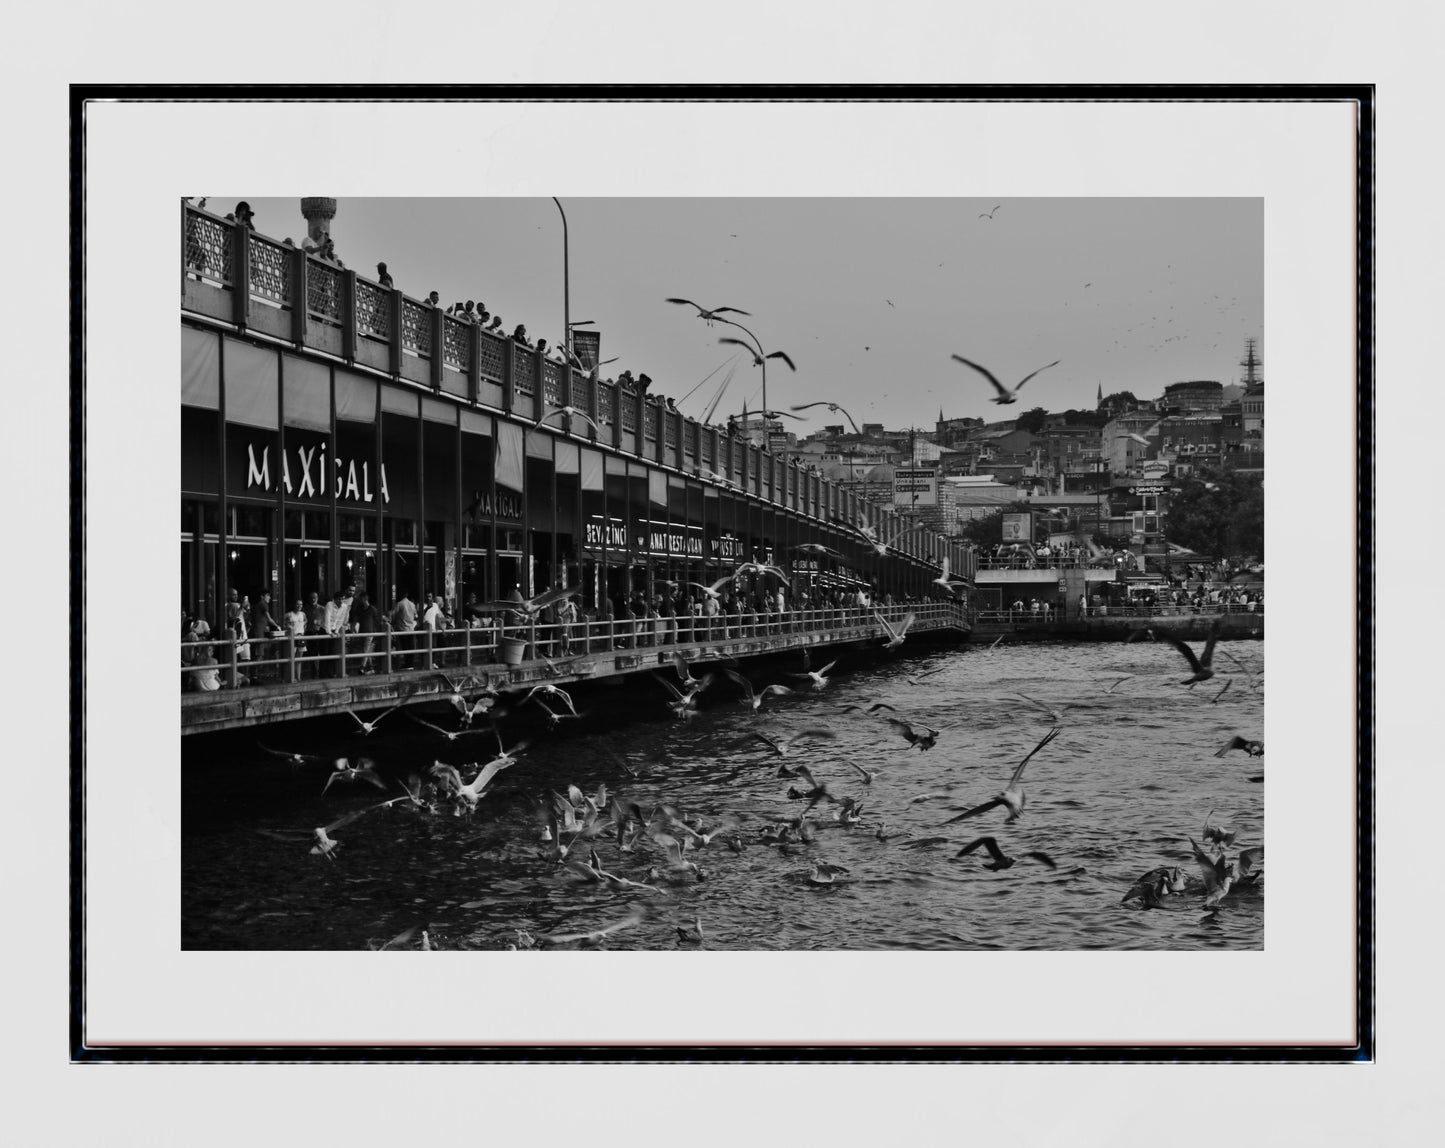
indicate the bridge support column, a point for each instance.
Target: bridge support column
{"x":1076,"y":585}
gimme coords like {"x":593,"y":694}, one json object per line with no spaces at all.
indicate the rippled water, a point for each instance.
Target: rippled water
{"x":1131,"y":776}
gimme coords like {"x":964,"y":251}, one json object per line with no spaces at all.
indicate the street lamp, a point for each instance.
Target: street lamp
{"x":566,"y":286}
{"x":762,"y":361}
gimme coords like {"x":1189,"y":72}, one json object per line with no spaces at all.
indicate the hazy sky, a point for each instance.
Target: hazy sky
{"x":868,"y":296}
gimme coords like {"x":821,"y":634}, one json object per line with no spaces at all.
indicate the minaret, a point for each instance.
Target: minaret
{"x":319,"y":212}
{"x":1099,"y":402}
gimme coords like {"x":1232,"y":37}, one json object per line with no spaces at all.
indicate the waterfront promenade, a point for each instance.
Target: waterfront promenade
{"x":304,"y":678}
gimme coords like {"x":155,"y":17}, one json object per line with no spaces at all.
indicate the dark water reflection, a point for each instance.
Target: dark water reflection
{"x":1119,"y":791}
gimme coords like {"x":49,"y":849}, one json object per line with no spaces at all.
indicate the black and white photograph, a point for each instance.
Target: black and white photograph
{"x":722,"y":573}
{"x":745,"y":585}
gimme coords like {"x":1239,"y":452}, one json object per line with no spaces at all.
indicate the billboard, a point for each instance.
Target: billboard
{"x":914,"y":486}
{"x":587,"y":346}
{"x":1018,"y":527}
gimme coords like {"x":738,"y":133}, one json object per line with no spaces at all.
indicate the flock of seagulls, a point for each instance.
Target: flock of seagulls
{"x":657,"y":852}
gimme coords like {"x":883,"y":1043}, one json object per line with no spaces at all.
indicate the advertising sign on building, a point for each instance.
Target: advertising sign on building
{"x":587,"y":346}
{"x":1155,"y":470}
{"x":915,"y":486}
{"x":1018,"y":527}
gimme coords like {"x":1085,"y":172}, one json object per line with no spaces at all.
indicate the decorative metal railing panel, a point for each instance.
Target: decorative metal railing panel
{"x":323,"y":291}
{"x":492,"y":359}
{"x":416,"y":328}
{"x":373,"y":310}
{"x":552,"y":383}
{"x":456,"y":343}
{"x":271,"y":265}
{"x":606,"y":400}
{"x":669,"y":429}
{"x":208,"y":248}
{"x":689,"y":439}
{"x":524,"y":368}
{"x":705,"y":440}
{"x":649,"y":421}
{"x":628,"y":399}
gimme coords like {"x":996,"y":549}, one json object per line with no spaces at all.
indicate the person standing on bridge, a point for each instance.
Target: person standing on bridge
{"x":295,"y":627}
{"x":403,"y":620}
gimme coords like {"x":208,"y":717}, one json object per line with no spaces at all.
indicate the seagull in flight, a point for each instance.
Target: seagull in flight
{"x":1013,"y":794}
{"x":293,"y":758}
{"x":762,"y":568}
{"x":780,"y":745}
{"x":1201,"y":665}
{"x":474,"y":790}
{"x":758,"y":362}
{"x":1001,"y":860}
{"x":922,"y":736}
{"x":754,"y":697}
{"x":449,"y":734}
{"x":709,"y":316}
{"x":550,"y":940}
{"x":368,"y":726}
{"x":881,"y":545}
{"x":548,"y":689}
{"x":1217,"y":834}
{"x":894,"y":638}
{"x":818,"y":677}
{"x":531,"y":607}
{"x":1253,"y":748}
{"x":834,"y":407}
{"x":572,"y":413}
{"x":946,"y":579}
{"x":713,"y":591}
{"x":345,"y":771}
{"x":1056,"y":716}
{"x":1218,"y":875}
{"x":989,"y":214}
{"x":818,"y":550}
{"x":1005,"y":395}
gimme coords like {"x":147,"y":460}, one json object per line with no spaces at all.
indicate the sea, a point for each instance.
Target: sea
{"x":1132,"y":775}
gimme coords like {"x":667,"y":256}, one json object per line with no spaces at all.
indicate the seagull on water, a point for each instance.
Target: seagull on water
{"x":691,"y":935}
{"x":1201,"y":665}
{"x":1013,"y":794}
{"x":892,"y":638}
{"x":1155,"y":885}
{"x":1005,"y":395}
{"x":1253,"y":748}
{"x":709,"y":316}
{"x":1001,"y":860}
{"x":834,"y":407}
{"x":825,"y":874}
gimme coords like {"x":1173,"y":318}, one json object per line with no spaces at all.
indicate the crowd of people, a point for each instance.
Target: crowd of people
{"x":430,"y":634}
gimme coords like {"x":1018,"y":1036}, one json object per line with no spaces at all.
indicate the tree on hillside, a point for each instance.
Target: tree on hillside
{"x":1219,"y":514}
{"x":1031,"y":421}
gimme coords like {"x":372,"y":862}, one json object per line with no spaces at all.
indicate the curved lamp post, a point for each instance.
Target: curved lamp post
{"x":762,"y":360}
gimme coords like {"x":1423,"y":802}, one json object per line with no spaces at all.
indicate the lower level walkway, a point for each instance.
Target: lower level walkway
{"x":288,"y":679}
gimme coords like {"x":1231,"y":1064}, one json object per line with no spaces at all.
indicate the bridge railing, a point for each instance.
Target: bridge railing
{"x":292,"y":659}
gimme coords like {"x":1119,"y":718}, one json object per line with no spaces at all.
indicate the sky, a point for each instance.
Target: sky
{"x":868,"y":297}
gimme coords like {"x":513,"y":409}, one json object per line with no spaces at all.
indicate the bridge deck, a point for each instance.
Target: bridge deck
{"x":252,"y":705}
